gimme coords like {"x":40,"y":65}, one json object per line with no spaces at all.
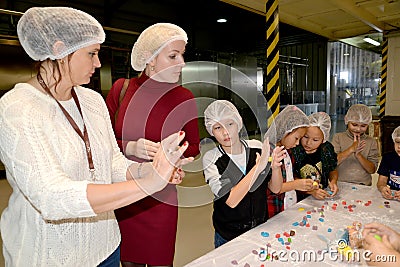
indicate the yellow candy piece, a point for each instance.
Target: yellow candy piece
{"x":301,"y":209}
{"x":315,"y":184}
{"x":270,"y":159}
{"x":346,"y":251}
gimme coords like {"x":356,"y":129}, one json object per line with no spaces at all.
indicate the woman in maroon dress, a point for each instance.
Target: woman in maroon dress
{"x":154,"y":106}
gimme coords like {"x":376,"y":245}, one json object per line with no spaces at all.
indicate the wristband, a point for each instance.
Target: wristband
{"x":139,"y":170}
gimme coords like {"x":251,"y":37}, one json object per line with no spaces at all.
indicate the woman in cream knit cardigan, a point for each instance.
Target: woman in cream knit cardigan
{"x":61,"y":157}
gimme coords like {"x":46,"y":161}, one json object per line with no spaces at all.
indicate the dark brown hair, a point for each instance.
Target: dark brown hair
{"x":55,"y":69}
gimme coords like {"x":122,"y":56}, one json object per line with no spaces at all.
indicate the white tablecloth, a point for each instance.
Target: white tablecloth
{"x":314,"y":222}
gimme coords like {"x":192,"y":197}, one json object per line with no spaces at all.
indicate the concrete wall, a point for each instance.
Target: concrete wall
{"x":392,"y":107}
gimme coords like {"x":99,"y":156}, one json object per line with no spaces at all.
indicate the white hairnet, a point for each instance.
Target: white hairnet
{"x":55,"y":32}
{"x":359,"y":113}
{"x":396,"y":133}
{"x":322,"y":121}
{"x":221,"y":110}
{"x":289,"y":119}
{"x":152,"y":40}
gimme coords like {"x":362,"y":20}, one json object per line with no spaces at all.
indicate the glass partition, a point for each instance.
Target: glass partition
{"x":358,"y":76}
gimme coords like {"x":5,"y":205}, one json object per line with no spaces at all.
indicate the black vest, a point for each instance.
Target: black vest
{"x":252,"y":210}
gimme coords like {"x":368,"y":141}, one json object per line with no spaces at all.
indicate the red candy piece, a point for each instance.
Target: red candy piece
{"x":287,"y":247}
{"x":307,"y":225}
{"x":277,"y":235}
{"x":286,"y":234}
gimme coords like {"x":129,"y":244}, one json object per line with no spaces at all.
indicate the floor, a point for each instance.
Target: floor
{"x":195,"y":230}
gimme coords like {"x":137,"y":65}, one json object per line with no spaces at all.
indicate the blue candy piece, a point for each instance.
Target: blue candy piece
{"x":321,"y":219}
{"x":329,"y":192}
{"x":329,"y":230}
{"x":265,"y":234}
{"x":295,"y":224}
{"x":308,"y":216}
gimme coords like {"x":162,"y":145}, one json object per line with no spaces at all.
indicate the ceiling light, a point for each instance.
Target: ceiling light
{"x":221,"y":20}
{"x":371,"y":41}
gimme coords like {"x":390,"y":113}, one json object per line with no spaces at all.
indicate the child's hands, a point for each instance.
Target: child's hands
{"x":319,"y":194}
{"x":389,"y":194}
{"x":305,"y":184}
{"x":334,"y":188}
{"x":262,"y":160}
{"x":386,"y":192}
{"x":278,"y":154}
{"x":396,"y":195}
{"x":357,"y":145}
{"x":360,"y":147}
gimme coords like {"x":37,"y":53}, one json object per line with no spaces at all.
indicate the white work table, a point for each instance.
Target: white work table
{"x":312,"y":221}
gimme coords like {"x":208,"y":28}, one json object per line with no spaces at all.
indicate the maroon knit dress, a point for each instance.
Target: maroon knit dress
{"x":152,"y":110}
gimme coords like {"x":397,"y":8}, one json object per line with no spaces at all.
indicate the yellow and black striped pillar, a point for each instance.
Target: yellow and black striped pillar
{"x":271,"y":74}
{"x":382,"y":95}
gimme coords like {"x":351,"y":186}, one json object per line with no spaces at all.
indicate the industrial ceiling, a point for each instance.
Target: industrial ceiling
{"x":346,"y":20}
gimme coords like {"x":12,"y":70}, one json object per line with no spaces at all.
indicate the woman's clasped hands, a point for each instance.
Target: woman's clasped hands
{"x":169,"y":158}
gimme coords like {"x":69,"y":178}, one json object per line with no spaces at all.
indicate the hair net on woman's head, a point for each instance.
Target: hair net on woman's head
{"x":396,"y":133}
{"x":322,"y":121}
{"x":358,"y":113}
{"x":289,"y":119}
{"x":221,"y":110}
{"x":55,"y":32}
{"x":152,"y":40}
